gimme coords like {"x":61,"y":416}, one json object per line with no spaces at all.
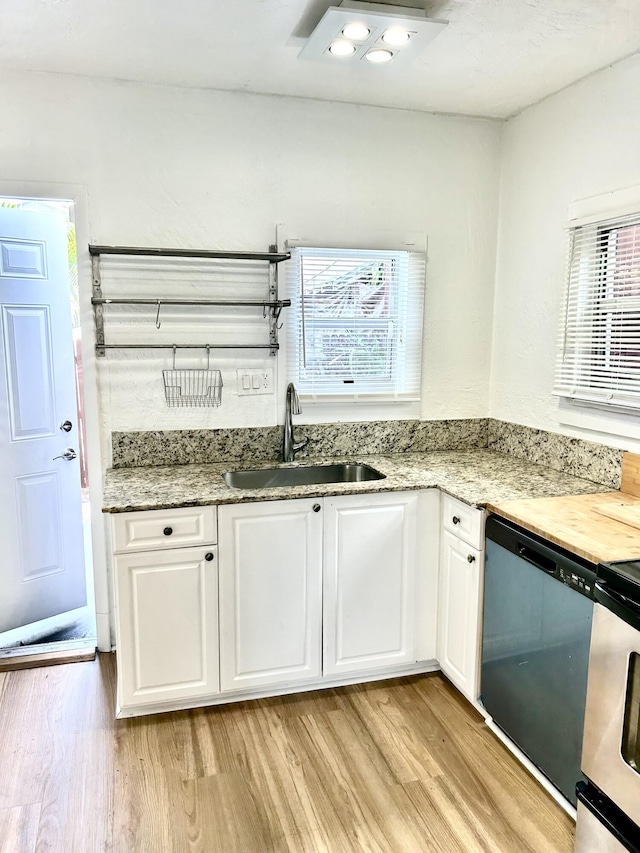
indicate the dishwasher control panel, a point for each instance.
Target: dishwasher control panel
{"x":577,"y":582}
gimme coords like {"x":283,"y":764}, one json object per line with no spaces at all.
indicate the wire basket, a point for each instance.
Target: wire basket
{"x":193,"y":386}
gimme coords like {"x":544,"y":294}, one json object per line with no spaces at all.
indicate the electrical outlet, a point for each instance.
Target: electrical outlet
{"x":255,"y":381}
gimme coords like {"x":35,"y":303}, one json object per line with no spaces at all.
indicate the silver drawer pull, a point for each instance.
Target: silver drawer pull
{"x":471,"y":558}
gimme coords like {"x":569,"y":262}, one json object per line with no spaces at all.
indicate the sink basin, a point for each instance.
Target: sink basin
{"x":306,"y":475}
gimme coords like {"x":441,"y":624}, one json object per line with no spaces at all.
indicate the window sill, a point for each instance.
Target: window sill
{"x":610,"y":421}
{"x":350,"y":399}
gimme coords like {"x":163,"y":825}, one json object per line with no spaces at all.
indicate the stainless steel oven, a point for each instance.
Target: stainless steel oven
{"x":611,"y":744}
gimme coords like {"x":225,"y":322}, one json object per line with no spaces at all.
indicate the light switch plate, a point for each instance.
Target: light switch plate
{"x":255,"y":381}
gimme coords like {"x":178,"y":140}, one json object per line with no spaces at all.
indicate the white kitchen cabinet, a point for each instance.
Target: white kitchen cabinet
{"x":369,"y":581}
{"x":459,"y":613}
{"x":270,"y":592}
{"x":167,"y":625}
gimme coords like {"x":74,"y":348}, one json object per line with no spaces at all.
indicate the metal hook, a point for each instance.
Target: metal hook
{"x":276,"y":316}
{"x":158,"y":324}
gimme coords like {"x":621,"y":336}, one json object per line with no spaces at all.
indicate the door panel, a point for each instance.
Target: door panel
{"x":460,"y":602}
{"x":369,"y":581}
{"x":38,"y":497}
{"x":42,"y":572}
{"x":29,"y":371}
{"x":22,"y":259}
{"x":167,"y":618}
{"x":270,"y":593}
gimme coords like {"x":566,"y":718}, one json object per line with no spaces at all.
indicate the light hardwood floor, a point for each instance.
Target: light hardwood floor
{"x":401,"y":766}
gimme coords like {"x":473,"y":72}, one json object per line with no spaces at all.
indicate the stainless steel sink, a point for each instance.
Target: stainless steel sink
{"x":306,"y":475}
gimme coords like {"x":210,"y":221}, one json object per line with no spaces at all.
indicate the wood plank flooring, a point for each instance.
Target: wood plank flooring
{"x":401,"y":766}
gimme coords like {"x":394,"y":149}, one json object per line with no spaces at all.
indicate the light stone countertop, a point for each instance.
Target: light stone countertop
{"x":477,"y":477}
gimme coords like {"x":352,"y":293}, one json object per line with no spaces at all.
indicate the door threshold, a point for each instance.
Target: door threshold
{"x":82,"y":643}
{"x":30,"y":660}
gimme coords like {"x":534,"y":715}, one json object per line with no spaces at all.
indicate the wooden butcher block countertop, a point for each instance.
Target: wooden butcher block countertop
{"x":587,"y":525}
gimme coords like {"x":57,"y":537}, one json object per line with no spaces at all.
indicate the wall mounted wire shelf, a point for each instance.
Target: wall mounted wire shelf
{"x":196,"y":387}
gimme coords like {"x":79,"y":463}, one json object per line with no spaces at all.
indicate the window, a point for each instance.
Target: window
{"x":357,"y":323}
{"x":599,"y":347}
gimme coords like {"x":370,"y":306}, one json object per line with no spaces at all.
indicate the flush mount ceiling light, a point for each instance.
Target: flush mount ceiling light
{"x":367,"y":34}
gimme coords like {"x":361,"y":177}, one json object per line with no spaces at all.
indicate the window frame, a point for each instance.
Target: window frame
{"x":346,"y":389}
{"x":593,"y":364}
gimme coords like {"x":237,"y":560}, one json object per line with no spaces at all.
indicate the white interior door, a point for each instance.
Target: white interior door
{"x":42,"y":569}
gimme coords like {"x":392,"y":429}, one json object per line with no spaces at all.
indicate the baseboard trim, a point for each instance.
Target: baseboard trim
{"x":419,"y":668}
{"x":531,"y":767}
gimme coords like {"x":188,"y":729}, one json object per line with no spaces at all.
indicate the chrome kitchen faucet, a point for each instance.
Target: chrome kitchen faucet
{"x":292,"y":407}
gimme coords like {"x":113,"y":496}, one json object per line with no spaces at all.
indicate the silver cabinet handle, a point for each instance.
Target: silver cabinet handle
{"x":471,"y":558}
{"x":66,"y":426}
{"x":69,"y":454}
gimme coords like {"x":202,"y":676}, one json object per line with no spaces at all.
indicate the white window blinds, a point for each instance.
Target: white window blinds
{"x":356,"y":328}
{"x":599,"y":344}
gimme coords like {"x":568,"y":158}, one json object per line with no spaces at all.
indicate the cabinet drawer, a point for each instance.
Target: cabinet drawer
{"x":464,"y":521}
{"x":164,"y":528}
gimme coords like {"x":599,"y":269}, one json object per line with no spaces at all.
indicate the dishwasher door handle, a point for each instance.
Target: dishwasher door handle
{"x":538,"y":560}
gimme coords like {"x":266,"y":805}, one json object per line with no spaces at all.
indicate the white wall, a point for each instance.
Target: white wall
{"x":178,"y":167}
{"x":579,"y":143}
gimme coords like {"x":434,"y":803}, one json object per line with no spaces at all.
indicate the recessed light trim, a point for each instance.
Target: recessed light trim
{"x":379,"y":55}
{"x":396,"y":36}
{"x":342,"y":48}
{"x":356,"y":31}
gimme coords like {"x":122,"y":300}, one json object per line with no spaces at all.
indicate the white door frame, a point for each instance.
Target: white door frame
{"x":78,"y":194}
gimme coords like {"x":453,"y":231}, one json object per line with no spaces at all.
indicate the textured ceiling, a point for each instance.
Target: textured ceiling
{"x":494,"y":58}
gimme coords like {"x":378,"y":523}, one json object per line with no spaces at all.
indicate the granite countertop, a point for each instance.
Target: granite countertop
{"x":477,"y":477}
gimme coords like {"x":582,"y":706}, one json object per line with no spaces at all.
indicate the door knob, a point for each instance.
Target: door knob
{"x":66,"y":426}
{"x":471,"y":558}
{"x":69,"y":454}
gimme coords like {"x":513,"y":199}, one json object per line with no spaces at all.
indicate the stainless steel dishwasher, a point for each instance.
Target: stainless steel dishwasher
{"x":538,"y":608}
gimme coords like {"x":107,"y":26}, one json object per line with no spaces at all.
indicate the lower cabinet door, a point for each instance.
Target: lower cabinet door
{"x":369,"y":581}
{"x":167,"y":625}
{"x":270,"y":592}
{"x":459,"y":608}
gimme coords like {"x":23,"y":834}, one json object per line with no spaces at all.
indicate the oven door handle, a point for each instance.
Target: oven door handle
{"x":618,"y":604}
